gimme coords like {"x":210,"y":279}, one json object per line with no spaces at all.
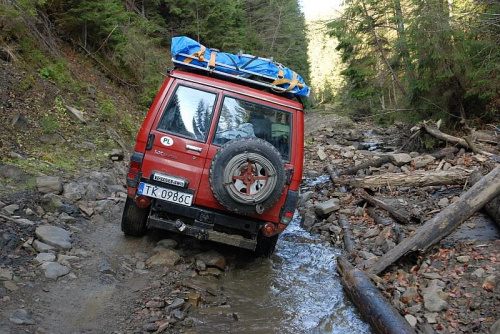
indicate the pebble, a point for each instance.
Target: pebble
{"x":411,"y":320}
{"x":54,"y":270}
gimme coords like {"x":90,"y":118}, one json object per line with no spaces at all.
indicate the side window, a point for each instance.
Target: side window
{"x":240,"y":118}
{"x":188,"y":113}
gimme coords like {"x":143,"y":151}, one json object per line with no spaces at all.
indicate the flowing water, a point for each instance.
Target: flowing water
{"x":297,"y":290}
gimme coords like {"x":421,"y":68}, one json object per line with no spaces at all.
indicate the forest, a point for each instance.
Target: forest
{"x":417,"y":60}
{"x":391,"y":60}
{"x":130,"y":39}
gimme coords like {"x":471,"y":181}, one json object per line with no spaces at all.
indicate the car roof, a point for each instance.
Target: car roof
{"x":237,"y":88}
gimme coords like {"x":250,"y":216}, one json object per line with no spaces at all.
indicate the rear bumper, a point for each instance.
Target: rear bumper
{"x":206,"y":224}
{"x":204,"y":232}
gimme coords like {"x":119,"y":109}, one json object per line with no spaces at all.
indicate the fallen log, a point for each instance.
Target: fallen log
{"x":417,"y":178}
{"x":370,"y":163}
{"x":400,"y":215}
{"x":444,"y":222}
{"x":372,"y":305}
{"x":348,"y":243}
{"x":435,"y":132}
{"x":493,"y":207}
{"x":378,"y":218}
{"x":447,"y":152}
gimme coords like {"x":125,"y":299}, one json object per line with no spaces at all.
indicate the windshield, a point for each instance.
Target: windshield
{"x":240,"y":118}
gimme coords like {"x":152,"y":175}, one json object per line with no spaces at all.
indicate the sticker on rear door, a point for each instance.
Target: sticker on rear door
{"x":167,"y":141}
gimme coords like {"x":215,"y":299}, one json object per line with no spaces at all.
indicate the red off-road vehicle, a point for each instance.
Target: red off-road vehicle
{"x":216,"y":160}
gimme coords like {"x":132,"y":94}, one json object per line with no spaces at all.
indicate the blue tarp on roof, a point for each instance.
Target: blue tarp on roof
{"x":189,"y":53}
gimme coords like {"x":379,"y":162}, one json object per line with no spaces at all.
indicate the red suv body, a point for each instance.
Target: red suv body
{"x":216,"y":160}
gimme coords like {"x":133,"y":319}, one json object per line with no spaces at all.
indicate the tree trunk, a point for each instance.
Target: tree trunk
{"x":400,"y":215}
{"x":414,"y":179}
{"x":353,"y":170}
{"x":348,"y":243}
{"x":493,"y":207}
{"x":444,"y":222}
{"x":372,"y":305}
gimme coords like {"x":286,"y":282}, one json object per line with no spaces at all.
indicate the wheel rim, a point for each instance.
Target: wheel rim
{"x":249,"y":178}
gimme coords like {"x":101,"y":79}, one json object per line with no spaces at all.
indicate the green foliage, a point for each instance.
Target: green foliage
{"x":50,"y":124}
{"x":433,"y":57}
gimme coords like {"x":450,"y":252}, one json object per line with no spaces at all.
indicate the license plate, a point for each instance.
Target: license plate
{"x":165,"y":194}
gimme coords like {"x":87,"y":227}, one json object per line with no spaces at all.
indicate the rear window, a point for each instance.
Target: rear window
{"x":240,"y":118}
{"x":188,"y":113}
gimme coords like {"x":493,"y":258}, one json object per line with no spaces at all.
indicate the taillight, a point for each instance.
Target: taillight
{"x":142,"y":201}
{"x":269,"y":229}
{"x":134,"y":173}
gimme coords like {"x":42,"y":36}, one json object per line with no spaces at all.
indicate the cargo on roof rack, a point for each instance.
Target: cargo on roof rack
{"x":187,"y":53}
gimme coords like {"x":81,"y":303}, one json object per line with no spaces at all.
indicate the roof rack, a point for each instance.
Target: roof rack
{"x":246,"y":74}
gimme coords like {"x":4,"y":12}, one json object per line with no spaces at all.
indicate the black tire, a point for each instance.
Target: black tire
{"x":247,"y":175}
{"x":134,"y":219}
{"x":265,"y":245}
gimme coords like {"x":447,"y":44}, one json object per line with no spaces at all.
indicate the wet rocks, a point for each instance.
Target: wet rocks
{"x":164,"y":257}
{"x":324,"y":208}
{"x":54,"y":236}
{"x":212,"y":259}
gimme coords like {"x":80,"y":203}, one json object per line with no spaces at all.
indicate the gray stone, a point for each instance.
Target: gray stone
{"x":324,"y":208}
{"x":54,"y":270}
{"x":212,"y":259}
{"x":304,"y":197}
{"x":167,"y":243}
{"x":478,"y":273}
{"x":431,"y":317}
{"x":495,"y":328}
{"x":73,"y":191}
{"x":49,"y":184}
{"x":42,"y":247}
{"x":444,"y":202}
{"x":54,"y":236}
{"x":22,"y":317}
{"x":463,"y":259}
{"x":11,"y":286}
{"x":348,"y":154}
{"x":308,"y":220}
{"x":177,"y":303}
{"x":67,"y":258}
{"x":155,"y":302}
{"x":10,"y":209}
{"x":424,"y":160}
{"x":433,"y":297}
{"x":45,"y":257}
{"x":321,"y":154}
{"x":13,"y":173}
{"x":164,"y":257}
{"x":411,"y":320}
{"x":52,"y":203}
{"x":25,"y":222}
{"x":6,"y":274}
{"x":400,"y":159}
{"x":105,"y":267}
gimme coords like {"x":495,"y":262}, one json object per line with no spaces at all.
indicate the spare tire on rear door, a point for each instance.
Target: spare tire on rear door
{"x":247,"y":175}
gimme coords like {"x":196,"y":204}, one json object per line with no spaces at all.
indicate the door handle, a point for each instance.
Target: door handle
{"x":194,"y":148}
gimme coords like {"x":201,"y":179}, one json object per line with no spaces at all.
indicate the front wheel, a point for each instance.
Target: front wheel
{"x":265,"y":245}
{"x":134,"y":219}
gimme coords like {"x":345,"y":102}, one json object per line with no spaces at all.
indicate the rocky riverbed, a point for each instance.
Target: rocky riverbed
{"x":65,"y":266}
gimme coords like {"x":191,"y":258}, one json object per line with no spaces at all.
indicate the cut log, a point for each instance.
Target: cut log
{"x":414,"y":179}
{"x":493,"y":207}
{"x":444,"y":222}
{"x":348,"y":243}
{"x":400,"y":215}
{"x":378,"y":218}
{"x":372,"y":305}
{"x":435,"y":132}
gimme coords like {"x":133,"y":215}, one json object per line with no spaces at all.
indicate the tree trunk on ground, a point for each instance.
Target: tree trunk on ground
{"x":370,"y":302}
{"x":400,"y":215}
{"x":447,"y":152}
{"x":493,"y":207}
{"x":348,"y":243}
{"x":435,"y":132}
{"x":414,"y":179}
{"x":353,"y":170}
{"x":378,"y":218}
{"x":444,"y":222}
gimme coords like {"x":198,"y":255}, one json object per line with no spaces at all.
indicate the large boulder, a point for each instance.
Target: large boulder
{"x":49,"y":184}
{"x":54,"y":236}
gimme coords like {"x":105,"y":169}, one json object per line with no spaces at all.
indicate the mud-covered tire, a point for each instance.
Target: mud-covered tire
{"x":247,"y":175}
{"x":265,"y":245}
{"x":134,"y":219}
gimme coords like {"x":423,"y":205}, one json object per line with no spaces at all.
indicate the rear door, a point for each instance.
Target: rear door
{"x":177,"y":146}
